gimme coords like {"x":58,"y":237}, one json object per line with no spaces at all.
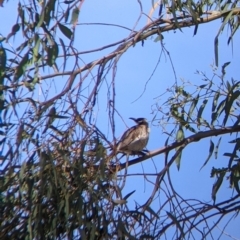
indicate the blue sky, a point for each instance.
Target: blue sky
{"x":188,"y":53}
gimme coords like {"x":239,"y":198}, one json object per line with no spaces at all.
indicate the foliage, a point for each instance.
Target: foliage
{"x":57,"y":179}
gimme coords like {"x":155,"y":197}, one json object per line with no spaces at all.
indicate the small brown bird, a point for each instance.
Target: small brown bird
{"x":135,"y":139}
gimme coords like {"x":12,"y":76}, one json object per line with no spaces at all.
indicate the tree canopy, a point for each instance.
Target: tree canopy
{"x":58,"y":177}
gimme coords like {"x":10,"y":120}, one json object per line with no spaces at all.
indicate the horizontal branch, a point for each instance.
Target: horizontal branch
{"x":193,"y":138}
{"x":153,"y":28}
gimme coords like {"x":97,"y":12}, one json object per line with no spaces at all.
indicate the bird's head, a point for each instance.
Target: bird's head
{"x":140,"y":121}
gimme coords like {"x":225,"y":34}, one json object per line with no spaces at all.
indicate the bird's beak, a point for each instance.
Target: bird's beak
{"x":134,"y":119}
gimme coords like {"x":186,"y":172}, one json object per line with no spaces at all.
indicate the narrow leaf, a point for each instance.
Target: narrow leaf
{"x":192,"y":107}
{"x":217,"y":185}
{"x":151,"y":211}
{"x":176,"y":222}
{"x":217,"y":147}
{"x":66,"y":31}
{"x":179,"y":137}
{"x":202,"y":107}
{"x":75,"y":14}
{"x":129,"y":194}
{"x":64,"y":53}
{"x":211,"y":148}
{"x":21,"y":67}
{"x":215,"y":100}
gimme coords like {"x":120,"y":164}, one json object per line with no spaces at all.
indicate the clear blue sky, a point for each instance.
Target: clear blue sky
{"x":135,"y":67}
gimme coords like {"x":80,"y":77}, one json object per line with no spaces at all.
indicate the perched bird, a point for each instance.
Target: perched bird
{"x":135,"y":139}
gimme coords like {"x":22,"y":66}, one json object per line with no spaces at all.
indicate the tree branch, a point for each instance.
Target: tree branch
{"x":193,"y":138}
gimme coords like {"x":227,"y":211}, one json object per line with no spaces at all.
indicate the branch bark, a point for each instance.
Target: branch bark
{"x":193,"y":138}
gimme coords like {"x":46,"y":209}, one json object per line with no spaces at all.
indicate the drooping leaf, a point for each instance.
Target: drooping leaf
{"x":235,"y":177}
{"x":52,"y":54}
{"x":217,"y":185}
{"x":67,"y":14}
{"x":159,"y":37}
{"x":68,"y":2}
{"x":75,"y":14}
{"x":21,"y":14}
{"x":64,"y":53}
{"x":22,"y":46}
{"x":48,"y":10}
{"x":215,"y":100}
{"x":216,"y":50}
{"x":217,"y":147}
{"x":36,"y":48}
{"x":229,"y":103}
{"x":179,"y":138}
{"x":66,"y":31}
{"x":226,"y":19}
{"x":211,"y":148}
{"x":224,"y":66}
{"x":129,"y":194}
{"x":151,"y":211}
{"x":218,"y":112}
{"x":21,"y":67}
{"x":234,"y":153}
{"x":201,"y":109}
{"x":51,"y":118}
{"x":39,"y":19}
{"x":176,"y":222}
{"x":192,"y":107}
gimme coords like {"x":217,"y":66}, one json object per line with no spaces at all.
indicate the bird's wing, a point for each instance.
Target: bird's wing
{"x":130,"y":136}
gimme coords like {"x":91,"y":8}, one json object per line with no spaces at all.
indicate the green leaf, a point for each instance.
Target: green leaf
{"x":202,"y":107}
{"x":174,"y":11}
{"x":48,"y":9}
{"x":75,"y":14}
{"x":66,"y":31}
{"x":36,"y":48}
{"x":67,"y":14}
{"x":192,"y":107}
{"x":21,"y":14}
{"x":226,"y":19}
{"x":39,"y":20}
{"x":217,"y":185}
{"x":151,"y":211}
{"x":211,"y":148}
{"x":180,"y":135}
{"x":215,"y":100}
{"x":68,"y":2}
{"x":179,"y":138}
{"x":224,"y":66}
{"x":229,"y":102}
{"x":52,"y":53}
{"x":216,"y":50}
{"x":219,"y":111}
{"x":21,"y":67}
{"x":176,"y":222}
{"x":217,"y":147}
{"x":64,"y":54}
{"x":22,"y":46}
{"x":160,"y":37}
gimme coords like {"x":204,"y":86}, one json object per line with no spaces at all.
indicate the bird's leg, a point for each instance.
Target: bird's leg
{"x":145,"y":152}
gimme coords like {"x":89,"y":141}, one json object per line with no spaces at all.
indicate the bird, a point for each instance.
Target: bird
{"x":135,"y":139}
